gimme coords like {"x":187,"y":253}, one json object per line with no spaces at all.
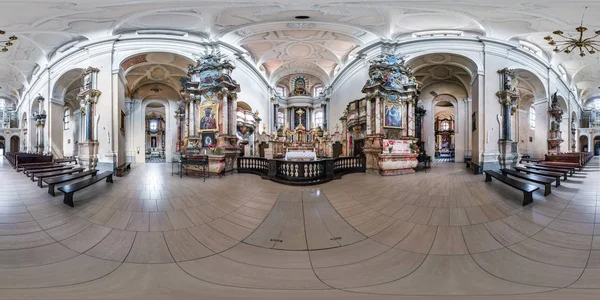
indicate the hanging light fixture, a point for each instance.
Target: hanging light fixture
{"x":8,"y":42}
{"x":567,"y":46}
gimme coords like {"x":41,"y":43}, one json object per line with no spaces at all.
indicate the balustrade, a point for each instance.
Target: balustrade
{"x":301,"y":172}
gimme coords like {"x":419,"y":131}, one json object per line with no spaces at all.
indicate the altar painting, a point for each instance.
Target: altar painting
{"x":300,"y":86}
{"x":398,"y":146}
{"x":393,"y":115}
{"x":209,"y":119}
{"x":208,"y":79}
{"x":300,"y":117}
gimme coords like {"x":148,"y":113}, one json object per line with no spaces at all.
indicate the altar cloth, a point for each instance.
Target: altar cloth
{"x":301,"y":155}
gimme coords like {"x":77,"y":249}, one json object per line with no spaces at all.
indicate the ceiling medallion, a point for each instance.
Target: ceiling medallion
{"x":567,"y":46}
{"x":300,"y":25}
{"x":357,"y":33}
{"x":8,"y":42}
{"x":244,"y":32}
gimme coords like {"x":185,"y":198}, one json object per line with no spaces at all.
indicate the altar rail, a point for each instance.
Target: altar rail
{"x":301,"y":172}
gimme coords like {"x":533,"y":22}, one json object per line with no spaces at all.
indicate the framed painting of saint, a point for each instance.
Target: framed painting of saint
{"x":208,"y":139}
{"x":393,"y":115}
{"x":208,"y":117}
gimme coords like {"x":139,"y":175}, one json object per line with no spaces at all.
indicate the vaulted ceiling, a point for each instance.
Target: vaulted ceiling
{"x":278,"y":42}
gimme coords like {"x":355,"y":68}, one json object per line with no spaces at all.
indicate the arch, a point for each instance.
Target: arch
{"x":583,"y":143}
{"x":430,"y":57}
{"x":124,"y":56}
{"x":64,"y":81}
{"x":15,"y":143}
{"x":528,"y":82}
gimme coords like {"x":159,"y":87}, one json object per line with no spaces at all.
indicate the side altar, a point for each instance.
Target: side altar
{"x":207,"y":115}
{"x":390,"y":145}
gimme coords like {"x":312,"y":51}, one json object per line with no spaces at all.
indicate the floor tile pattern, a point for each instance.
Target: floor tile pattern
{"x":444,"y":234}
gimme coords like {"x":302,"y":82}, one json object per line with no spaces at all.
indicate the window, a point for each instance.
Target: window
{"x":319,"y":119}
{"x":67,"y":119}
{"x":280,"y":119}
{"x":318,"y":91}
{"x":445,"y":125}
{"x":597,"y":104}
{"x":563,"y":72}
{"x":280,"y":91}
{"x":154,"y":125}
{"x":532,"y":117}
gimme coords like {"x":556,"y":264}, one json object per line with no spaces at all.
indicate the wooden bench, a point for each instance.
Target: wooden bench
{"x":571,"y":170}
{"x":29,"y":168}
{"x":53,"y":181}
{"x":554,"y":175}
{"x":468,"y":161}
{"x":41,"y":176}
{"x":534,"y":160}
{"x":547,"y":182}
{"x":66,"y":160}
{"x":526,"y":188}
{"x":31,"y":173}
{"x":70,"y":189}
{"x":123,"y":169}
{"x":564,"y":172}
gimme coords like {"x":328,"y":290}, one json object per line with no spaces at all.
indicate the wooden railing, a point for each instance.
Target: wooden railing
{"x":301,"y":172}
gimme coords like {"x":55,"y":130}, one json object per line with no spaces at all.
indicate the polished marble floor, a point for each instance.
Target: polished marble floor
{"x":445,"y":234}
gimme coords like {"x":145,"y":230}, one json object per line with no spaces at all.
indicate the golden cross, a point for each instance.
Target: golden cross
{"x":300,"y":112}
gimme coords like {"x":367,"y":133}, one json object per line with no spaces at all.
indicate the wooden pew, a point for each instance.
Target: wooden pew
{"x":554,"y":175}
{"x":70,"y":189}
{"x":41,"y":176}
{"x":547,"y":182}
{"x":52,"y":182}
{"x":526,"y":188}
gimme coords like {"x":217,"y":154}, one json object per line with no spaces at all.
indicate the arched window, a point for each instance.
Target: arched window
{"x":318,"y":91}
{"x":532,"y":117}
{"x":280,"y":119}
{"x":445,"y":125}
{"x":319,"y":118}
{"x":67,"y":119}
{"x":280,"y":90}
{"x":154,"y":125}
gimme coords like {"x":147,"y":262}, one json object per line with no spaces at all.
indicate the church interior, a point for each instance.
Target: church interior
{"x":294,"y":150}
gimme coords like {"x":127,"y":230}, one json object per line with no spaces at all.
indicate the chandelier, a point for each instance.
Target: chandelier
{"x":569,"y":44}
{"x":8,"y":42}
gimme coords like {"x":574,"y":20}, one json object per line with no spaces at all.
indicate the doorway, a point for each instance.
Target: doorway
{"x":14,"y":144}
{"x":358,"y":148}
{"x":444,"y":126}
{"x":155,"y":133}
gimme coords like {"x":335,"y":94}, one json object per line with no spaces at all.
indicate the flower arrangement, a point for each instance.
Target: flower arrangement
{"x":212,"y":149}
{"x":390,"y":149}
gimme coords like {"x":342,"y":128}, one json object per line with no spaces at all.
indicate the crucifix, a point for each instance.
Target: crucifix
{"x":300,"y":113}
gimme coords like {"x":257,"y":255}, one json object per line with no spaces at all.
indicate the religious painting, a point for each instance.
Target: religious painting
{"x":122,"y":121}
{"x":393,"y":115}
{"x":300,"y":86}
{"x":208,"y":79}
{"x":208,"y":139}
{"x":474,"y":121}
{"x":209,"y":119}
{"x":300,"y":117}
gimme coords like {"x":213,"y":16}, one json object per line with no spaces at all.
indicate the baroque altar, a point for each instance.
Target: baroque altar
{"x":390,"y":145}
{"x":207,"y":115}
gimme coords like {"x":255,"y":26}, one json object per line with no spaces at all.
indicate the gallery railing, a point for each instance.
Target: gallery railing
{"x":301,"y":172}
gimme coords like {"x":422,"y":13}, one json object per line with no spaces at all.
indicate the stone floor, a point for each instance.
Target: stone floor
{"x":445,"y":234}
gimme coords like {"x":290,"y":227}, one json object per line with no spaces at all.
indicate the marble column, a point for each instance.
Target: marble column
{"x":378,"y":108}
{"x":369,"y":114}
